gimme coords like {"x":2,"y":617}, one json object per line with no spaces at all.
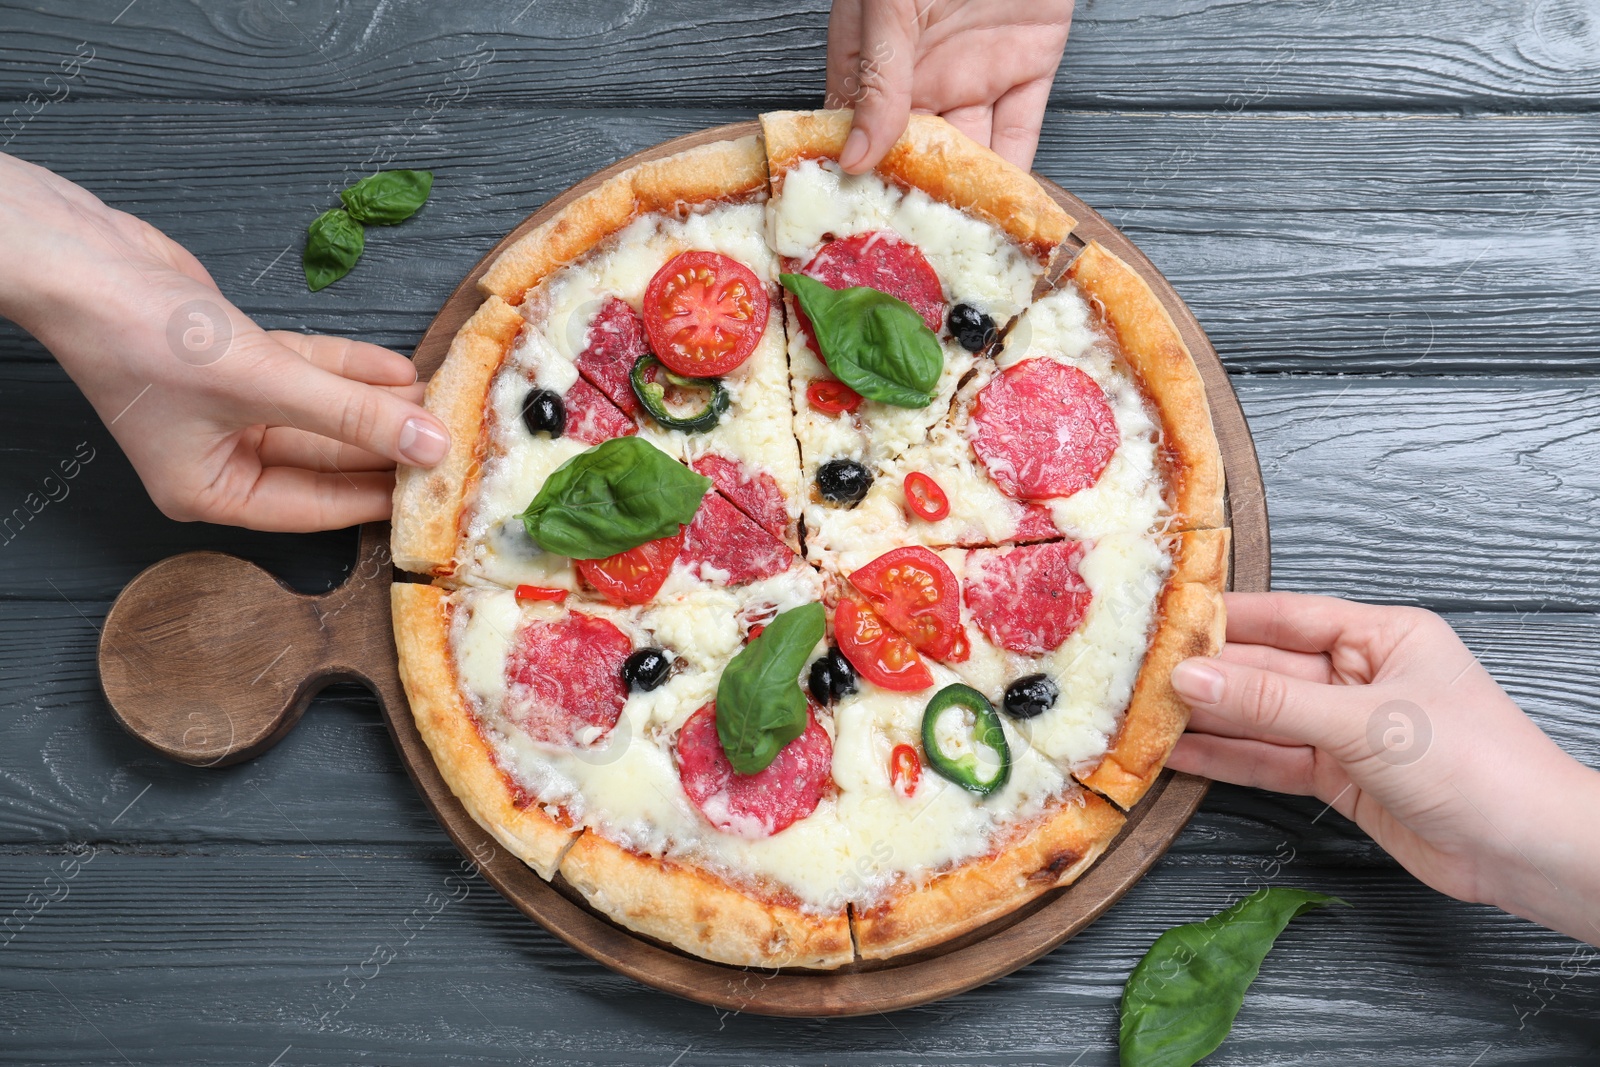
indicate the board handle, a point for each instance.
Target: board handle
{"x":210,"y":660}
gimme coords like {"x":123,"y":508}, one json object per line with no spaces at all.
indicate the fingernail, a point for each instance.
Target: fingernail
{"x":1196,"y":680}
{"x":422,"y":443}
{"x":855,"y":149}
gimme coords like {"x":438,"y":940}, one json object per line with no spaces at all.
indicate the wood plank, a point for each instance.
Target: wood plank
{"x":1153,"y":54}
{"x":1453,"y":494}
{"x":397,"y":958}
{"x":1437,"y":244}
{"x":71,"y":773}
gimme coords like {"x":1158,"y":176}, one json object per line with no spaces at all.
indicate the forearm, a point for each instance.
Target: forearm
{"x":1550,"y":871}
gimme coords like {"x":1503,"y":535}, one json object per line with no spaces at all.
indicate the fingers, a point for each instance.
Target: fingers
{"x":883,"y":75}
{"x":355,"y":360}
{"x":1257,"y":764}
{"x":284,"y":446}
{"x":292,"y":500}
{"x":974,"y":120}
{"x":1263,"y":703}
{"x":1307,"y":666}
{"x":1018,"y":117}
{"x":295,"y":393}
{"x":1205,"y":721}
{"x":1295,"y":621}
{"x":844,"y":51}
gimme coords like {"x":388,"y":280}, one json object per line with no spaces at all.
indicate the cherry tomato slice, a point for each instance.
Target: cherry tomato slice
{"x":704,"y":313}
{"x":916,"y":593}
{"x":832,"y":397}
{"x":634,"y":576}
{"x":878,"y":654}
{"x":541,"y":592}
{"x":905,"y":770}
{"x":924,"y":497}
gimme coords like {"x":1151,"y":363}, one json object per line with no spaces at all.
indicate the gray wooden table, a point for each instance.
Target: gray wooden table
{"x":1385,"y":214}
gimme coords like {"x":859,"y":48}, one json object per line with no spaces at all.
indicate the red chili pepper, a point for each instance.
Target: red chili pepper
{"x":755,"y":632}
{"x":905,"y":769}
{"x":541,"y":592}
{"x":832,"y":397}
{"x":924,"y":497}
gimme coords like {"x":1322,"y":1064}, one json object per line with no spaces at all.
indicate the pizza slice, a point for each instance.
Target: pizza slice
{"x":956,"y":236}
{"x":1091,"y":418}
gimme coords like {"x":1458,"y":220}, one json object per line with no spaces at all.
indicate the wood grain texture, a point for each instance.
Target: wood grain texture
{"x":403,"y":960}
{"x":1213,"y":54}
{"x":1357,"y":244}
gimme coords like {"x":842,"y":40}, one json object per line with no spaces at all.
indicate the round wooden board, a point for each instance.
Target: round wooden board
{"x":191,"y":695}
{"x":955,"y":966}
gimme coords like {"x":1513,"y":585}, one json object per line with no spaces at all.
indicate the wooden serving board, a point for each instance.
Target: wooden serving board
{"x":211,"y":660}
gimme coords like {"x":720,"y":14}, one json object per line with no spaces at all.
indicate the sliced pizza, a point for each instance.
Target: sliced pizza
{"x":794,"y":626}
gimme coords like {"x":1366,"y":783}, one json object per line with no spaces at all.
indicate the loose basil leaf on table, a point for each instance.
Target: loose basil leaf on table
{"x":388,"y":197}
{"x":1181,"y":1000}
{"x":334,"y":242}
{"x":760,"y":707}
{"x":613,"y":497}
{"x":875,"y":343}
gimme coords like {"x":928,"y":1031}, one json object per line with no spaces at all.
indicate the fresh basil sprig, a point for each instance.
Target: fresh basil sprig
{"x":335,"y":239}
{"x":1181,"y":1000}
{"x":388,"y":197}
{"x":875,"y":343}
{"x":334,"y":242}
{"x":759,"y":704}
{"x":613,"y":497}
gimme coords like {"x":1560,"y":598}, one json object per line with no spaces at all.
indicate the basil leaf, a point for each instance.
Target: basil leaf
{"x":1180,"y":1001}
{"x":333,"y":244}
{"x":759,"y":704}
{"x":616,"y":496}
{"x":875,"y":343}
{"x":388,"y":197}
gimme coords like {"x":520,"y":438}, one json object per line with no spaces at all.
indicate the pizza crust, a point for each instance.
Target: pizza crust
{"x":700,"y":913}
{"x":933,"y":156}
{"x":464,"y":759}
{"x":722,"y":170}
{"x":429,"y":501}
{"x":1191,"y":623}
{"x":1156,"y":354}
{"x":1052,"y":853}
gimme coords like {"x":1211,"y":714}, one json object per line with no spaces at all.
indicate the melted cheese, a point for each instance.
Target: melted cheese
{"x":849,"y":850}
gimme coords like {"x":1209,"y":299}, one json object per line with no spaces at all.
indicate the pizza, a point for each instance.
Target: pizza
{"x":813,"y":550}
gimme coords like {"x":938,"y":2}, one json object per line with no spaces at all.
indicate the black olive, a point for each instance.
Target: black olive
{"x":970,"y":327}
{"x":544,"y":412}
{"x":832,"y":677}
{"x":646,"y":669}
{"x":843,"y":481}
{"x":1030,"y":696}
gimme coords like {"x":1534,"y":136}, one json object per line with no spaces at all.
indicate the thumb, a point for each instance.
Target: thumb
{"x":1264,"y":704}
{"x":882,"y":95}
{"x":296,"y":393}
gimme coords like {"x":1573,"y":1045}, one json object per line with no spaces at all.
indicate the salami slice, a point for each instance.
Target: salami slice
{"x":882,"y":261}
{"x":565,"y":679}
{"x":614,"y":343}
{"x":753,"y":805}
{"x":591,"y":418}
{"x":1043,"y":429}
{"x":1036,"y":524}
{"x":753,"y":492}
{"x":724,"y":540}
{"x":1028,"y":599}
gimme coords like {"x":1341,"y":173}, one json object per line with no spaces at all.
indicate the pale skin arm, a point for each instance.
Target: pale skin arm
{"x":224,"y":421}
{"x":985,"y":65}
{"x":1384,"y":714}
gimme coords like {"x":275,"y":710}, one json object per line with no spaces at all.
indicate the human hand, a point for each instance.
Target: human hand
{"x":985,"y":65}
{"x":224,"y":421}
{"x":1385,"y":715}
